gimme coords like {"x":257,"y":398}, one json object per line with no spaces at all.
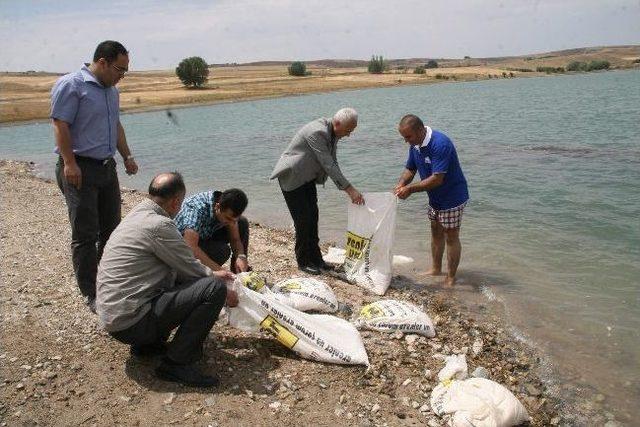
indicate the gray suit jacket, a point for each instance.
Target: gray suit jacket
{"x":143,"y":256}
{"x":310,"y":156}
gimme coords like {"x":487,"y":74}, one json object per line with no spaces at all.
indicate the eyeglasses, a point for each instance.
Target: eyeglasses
{"x":121,"y":70}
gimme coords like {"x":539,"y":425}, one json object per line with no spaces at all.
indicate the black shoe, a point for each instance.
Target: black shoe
{"x":148,"y":350}
{"x":324,"y":267}
{"x":91,"y":303}
{"x":185,"y":374}
{"x":310,"y":269}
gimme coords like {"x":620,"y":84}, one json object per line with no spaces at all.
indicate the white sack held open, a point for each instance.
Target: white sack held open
{"x":370,"y":232}
{"x":306,"y":294}
{"x":392,"y":315}
{"x":318,"y":337}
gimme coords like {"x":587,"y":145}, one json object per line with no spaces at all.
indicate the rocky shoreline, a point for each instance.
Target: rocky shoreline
{"x":59,"y":368}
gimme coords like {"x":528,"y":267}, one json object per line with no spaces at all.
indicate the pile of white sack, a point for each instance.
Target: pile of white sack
{"x":279,"y":310}
{"x":318,"y":337}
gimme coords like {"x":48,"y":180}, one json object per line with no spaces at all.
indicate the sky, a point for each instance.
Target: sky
{"x":60,"y":35}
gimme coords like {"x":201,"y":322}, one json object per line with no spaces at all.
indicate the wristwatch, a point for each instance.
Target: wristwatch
{"x":242,"y":256}
{"x":129,"y":157}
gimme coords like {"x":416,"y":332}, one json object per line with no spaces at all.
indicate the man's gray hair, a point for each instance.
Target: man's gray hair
{"x":346,"y":115}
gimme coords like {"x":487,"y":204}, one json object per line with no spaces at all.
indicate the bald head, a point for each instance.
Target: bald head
{"x":167,"y":185}
{"x":168,"y":190}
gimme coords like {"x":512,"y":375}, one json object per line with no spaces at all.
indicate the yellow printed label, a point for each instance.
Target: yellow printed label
{"x":291,"y":286}
{"x":253,"y":281}
{"x":371,"y":311}
{"x":356,"y":248}
{"x":281,"y":333}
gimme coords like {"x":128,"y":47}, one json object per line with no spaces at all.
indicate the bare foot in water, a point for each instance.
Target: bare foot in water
{"x":449,"y":282}
{"x":430,"y":272}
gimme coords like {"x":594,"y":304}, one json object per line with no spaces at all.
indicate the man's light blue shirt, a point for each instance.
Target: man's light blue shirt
{"x":91,"y":110}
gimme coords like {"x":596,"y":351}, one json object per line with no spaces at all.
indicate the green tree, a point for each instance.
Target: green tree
{"x":590,"y":66}
{"x":550,"y":70}
{"x":577,"y":66}
{"x":193,"y":71}
{"x":377,"y":65}
{"x":419,"y":70}
{"x":432,"y":63}
{"x":599,"y":65}
{"x":298,"y":68}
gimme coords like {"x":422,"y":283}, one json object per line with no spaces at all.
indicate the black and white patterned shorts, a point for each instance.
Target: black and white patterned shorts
{"x":447,"y":218}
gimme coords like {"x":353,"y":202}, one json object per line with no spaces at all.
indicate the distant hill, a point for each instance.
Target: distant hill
{"x":330,"y":63}
{"x":618,"y":56}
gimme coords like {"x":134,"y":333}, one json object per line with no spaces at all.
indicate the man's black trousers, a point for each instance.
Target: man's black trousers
{"x":217,"y":246}
{"x":94,"y":212}
{"x":193,"y":308}
{"x":303,"y":206}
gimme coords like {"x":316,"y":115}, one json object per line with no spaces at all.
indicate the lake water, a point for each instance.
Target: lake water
{"x":553,"y":164}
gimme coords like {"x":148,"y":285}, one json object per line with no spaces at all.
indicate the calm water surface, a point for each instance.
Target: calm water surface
{"x":553,"y":164}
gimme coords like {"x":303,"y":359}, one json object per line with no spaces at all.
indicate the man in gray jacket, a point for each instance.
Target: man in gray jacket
{"x":149,"y":283}
{"x":308,"y":160}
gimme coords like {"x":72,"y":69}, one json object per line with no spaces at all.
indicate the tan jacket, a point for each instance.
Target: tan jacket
{"x":142,"y":259}
{"x":310,"y":156}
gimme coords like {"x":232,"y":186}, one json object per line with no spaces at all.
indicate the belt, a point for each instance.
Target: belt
{"x":102,"y":162}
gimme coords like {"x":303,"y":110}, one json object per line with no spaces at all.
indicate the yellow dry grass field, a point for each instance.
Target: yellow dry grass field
{"x":25,"y":96}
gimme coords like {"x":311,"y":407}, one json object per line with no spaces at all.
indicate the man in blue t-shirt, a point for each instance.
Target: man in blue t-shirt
{"x":433,"y":156}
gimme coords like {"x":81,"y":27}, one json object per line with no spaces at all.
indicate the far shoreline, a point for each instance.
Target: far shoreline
{"x":169,"y":106}
{"x":396,"y":81}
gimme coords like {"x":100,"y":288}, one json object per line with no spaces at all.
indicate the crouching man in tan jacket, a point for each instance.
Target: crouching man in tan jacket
{"x":149,"y":283}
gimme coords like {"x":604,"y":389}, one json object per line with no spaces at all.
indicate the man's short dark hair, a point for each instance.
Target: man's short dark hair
{"x":412,"y":121}
{"x":109,"y":50}
{"x":233,"y":199}
{"x":167,"y":185}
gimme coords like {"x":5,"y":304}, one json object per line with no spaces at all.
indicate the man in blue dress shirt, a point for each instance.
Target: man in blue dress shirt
{"x":433,"y":156}
{"x":86,"y":125}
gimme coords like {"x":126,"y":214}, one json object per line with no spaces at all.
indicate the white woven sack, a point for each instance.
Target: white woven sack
{"x":477,"y":402}
{"x":392,"y":315}
{"x":306,"y":294}
{"x":318,"y":337}
{"x":370,"y":233}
